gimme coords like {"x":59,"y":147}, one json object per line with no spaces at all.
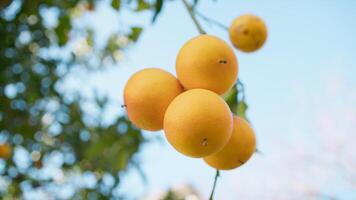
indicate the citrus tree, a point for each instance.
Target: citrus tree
{"x":51,"y":135}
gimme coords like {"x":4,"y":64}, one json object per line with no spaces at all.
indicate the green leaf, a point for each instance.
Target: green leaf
{"x":90,"y":37}
{"x":142,"y":5}
{"x":231,"y":98}
{"x":62,"y":30}
{"x":158,"y":9}
{"x":116,"y":4}
{"x":135,"y":33}
{"x":238,"y":107}
{"x":241,"y":109}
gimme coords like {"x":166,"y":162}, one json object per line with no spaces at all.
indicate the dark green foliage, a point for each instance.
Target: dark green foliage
{"x":42,"y":119}
{"x":135,"y":33}
{"x":116,"y":4}
{"x":63,"y":28}
{"x":158,"y":8}
{"x":142,"y":5}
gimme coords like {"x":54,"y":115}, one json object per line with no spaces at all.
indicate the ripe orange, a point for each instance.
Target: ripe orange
{"x":5,"y":151}
{"x":238,"y":150}
{"x":207,"y":62}
{"x":147,"y":95}
{"x":198,"y":123}
{"x":248,"y":33}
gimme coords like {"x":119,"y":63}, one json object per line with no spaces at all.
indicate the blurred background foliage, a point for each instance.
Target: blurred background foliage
{"x":57,"y":137}
{"x":45,"y":124}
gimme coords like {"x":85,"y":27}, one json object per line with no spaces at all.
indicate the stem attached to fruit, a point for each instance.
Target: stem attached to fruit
{"x":192,"y":15}
{"x":205,"y":142}
{"x":214,"y":186}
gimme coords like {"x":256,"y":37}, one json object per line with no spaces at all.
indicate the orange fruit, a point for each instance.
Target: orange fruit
{"x":207,"y":62}
{"x":147,"y":95}
{"x":5,"y":151}
{"x":198,"y":123}
{"x":238,"y":150}
{"x":248,"y":33}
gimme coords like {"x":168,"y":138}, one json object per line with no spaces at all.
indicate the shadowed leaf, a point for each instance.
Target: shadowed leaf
{"x":158,"y":9}
{"x":231,"y":99}
{"x":142,"y":5}
{"x":62,"y":30}
{"x":241,"y":109}
{"x":135,"y":33}
{"x":116,"y":4}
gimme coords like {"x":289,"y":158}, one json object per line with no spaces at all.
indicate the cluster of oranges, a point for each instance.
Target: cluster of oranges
{"x":196,"y":120}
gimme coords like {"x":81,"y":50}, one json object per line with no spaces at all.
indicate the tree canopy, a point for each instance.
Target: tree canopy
{"x":53,"y":136}
{"x":40,"y":119}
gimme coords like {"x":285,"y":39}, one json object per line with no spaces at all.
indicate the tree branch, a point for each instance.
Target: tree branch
{"x":211,"y":21}
{"x":192,"y":15}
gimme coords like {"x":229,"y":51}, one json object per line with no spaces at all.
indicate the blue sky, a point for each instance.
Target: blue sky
{"x":300,"y":89}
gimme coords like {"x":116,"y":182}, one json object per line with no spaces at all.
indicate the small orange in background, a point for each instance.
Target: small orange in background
{"x":207,"y":62}
{"x":147,"y":95}
{"x":198,"y":123}
{"x":248,"y":33}
{"x":238,"y":150}
{"x":5,"y":151}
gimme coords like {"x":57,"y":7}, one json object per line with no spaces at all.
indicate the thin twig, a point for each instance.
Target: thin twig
{"x":214,"y":186}
{"x":192,"y":15}
{"x":211,"y":21}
